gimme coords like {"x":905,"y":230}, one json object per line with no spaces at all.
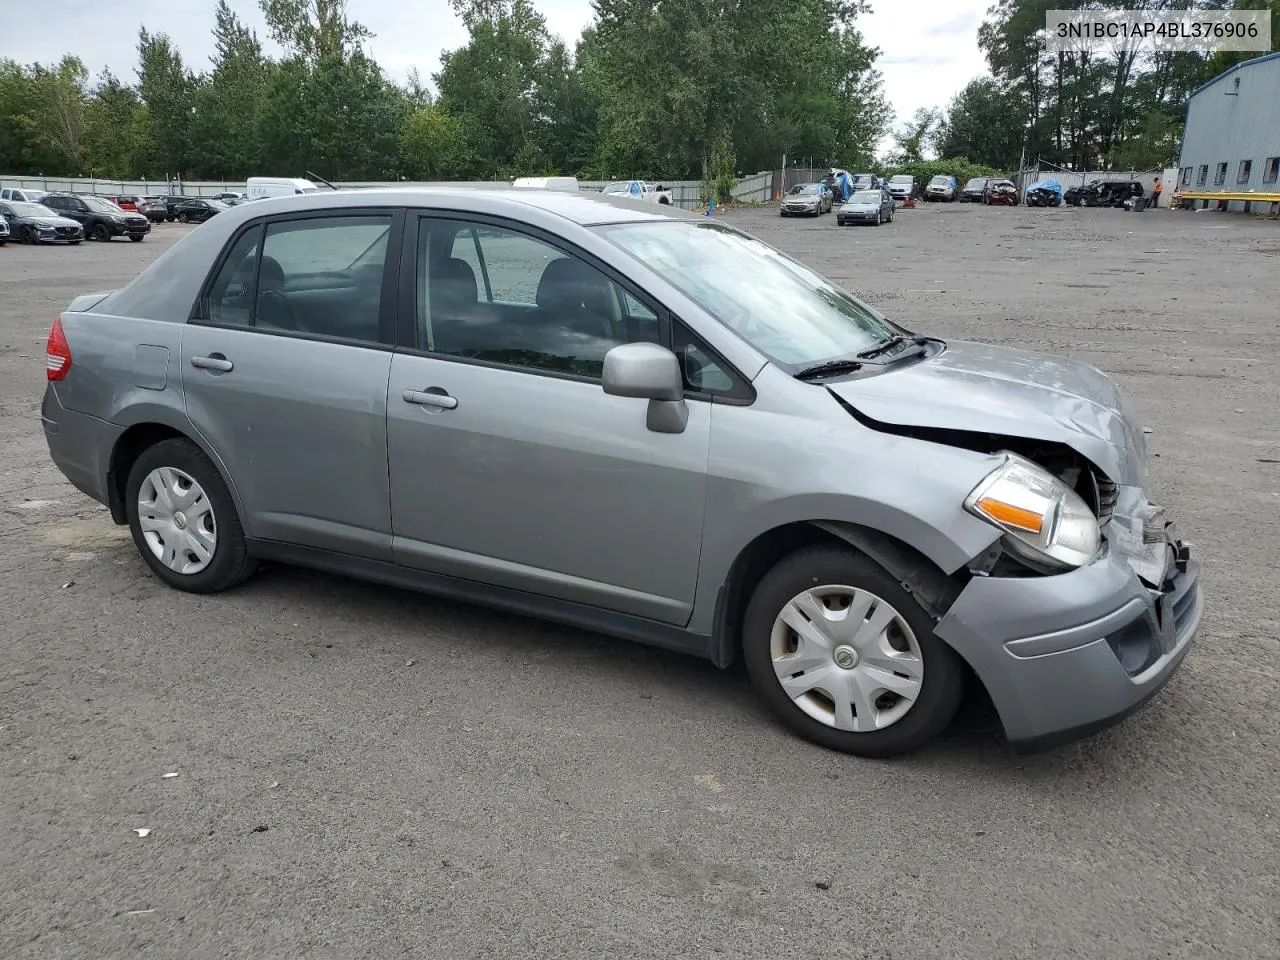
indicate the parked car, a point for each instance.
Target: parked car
{"x":1111,"y":193}
{"x":974,"y":190}
{"x":807,"y":199}
{"x":23,"y":194}
{"x":129,"y":204}
{"x":864,"y":181}
{"x":157,"y":208}
{"x":198,"y":209}
{"x":36,"y":223}
{"x":902,"y":186}
{"x":264,"y":188}
{"x":639,"y":190}
{"x":867,"y":516}
{"x":4,"y":231}
{"x":568,"y":184}
{"x":1045,"y":193}
{"x":1001,"y":193}
{"x":867,"y":206}
{"x":941,"y":188}
{"x":1074,"y":196}
{"x":100,"y":218}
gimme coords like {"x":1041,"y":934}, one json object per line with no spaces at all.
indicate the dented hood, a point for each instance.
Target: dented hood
{"x":987,"y":389}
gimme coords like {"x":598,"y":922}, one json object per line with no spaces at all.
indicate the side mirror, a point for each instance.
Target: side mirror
{"x":647,"y":371}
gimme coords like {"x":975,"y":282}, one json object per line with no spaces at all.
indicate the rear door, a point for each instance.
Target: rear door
{"x":285,"y":373}
{"x":509,"y":464}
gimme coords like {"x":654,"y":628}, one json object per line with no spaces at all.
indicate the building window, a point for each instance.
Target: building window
{"x":1221,"y":175}
{"x":1204,"y":175}
{"x":1186,"y":177}
{"x":1271,"y":173}
{"x":1245,"y":171}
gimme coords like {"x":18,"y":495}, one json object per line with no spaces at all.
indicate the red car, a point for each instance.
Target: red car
{"x":1001,"y":192}
{"x":130,"y":204}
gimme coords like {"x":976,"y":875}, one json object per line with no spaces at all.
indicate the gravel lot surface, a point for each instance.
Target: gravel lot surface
{"x":367,"y":773}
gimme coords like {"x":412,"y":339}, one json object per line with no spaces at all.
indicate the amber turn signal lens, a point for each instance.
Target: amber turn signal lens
{"x":1011,"y":516}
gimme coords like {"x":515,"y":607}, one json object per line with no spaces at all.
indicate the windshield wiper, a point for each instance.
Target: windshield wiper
{"x":896,"y":340}
{"x":829,"y":369}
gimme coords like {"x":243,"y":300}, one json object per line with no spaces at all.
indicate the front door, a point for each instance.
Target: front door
{"x":509,"y":464}
{"x":285,"y":375}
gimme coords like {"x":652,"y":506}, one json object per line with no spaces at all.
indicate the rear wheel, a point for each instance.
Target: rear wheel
{"x":183,"y":520}
{"x":846,"y":657}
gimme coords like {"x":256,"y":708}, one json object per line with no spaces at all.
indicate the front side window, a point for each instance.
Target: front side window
{"x":786,"y":311}
{"x":319,"y":277}
{"x":500,"y":296}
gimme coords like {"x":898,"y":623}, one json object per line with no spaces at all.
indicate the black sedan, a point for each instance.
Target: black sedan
{"x":100,"y":218}
{"x":974,"y":190}
{"x":36,"y":223}
{"x":198,"y":211}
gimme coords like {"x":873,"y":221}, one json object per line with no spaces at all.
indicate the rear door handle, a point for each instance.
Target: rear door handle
{"x":217,"y":363}
{"x":431,"y":397}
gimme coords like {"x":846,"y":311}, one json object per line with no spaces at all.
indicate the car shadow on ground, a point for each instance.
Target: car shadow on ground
{"x":975,"y":738}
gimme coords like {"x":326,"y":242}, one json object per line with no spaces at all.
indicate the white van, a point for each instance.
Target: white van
{"x":262,"y":187}
{"x":566,"y":184}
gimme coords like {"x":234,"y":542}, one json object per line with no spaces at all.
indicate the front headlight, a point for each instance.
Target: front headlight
{"x":1046,"y":523}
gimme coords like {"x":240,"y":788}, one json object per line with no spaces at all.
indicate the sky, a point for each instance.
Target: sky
{"x":929,"y":48}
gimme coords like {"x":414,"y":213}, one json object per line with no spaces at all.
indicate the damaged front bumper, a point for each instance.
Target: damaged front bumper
{"x":1068,"y":655}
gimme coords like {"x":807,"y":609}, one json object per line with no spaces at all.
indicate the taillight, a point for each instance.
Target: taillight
{"x":57,"y":355}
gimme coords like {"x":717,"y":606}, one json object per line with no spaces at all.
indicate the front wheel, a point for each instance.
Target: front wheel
{"x":136,"y":239}
{"x":847,"y":657}
{"x":100,"y":233}
{"x":183,"y":520}
{"x":879,"y":219}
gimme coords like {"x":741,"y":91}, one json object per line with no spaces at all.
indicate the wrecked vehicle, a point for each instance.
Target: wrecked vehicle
{"x":1045,"y":193}
{"x":1000,"y":193}
{"x":644,"y":423}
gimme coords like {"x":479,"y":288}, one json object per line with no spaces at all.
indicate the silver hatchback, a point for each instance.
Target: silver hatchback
{"x":639,"y":421}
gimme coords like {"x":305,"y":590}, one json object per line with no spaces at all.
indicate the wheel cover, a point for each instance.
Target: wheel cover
{"x":177,"y":520}
{"x":847,"y":658}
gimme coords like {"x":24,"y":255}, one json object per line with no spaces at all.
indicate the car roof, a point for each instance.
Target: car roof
{"x":586,"y":208}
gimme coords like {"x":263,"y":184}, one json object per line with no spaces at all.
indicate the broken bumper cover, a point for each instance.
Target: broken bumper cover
{"x":1065,"y":656}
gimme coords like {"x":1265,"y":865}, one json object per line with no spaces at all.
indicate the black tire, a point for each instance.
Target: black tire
{"x":231,"y":561}
{"x":74,"y":243}
{"x":170,"y":219}
{"x":25,"y":236}
{"x":100,"y":233}
{"x":136,"y":239}
{"x":943,"y":682}
{"x":3,"y":242}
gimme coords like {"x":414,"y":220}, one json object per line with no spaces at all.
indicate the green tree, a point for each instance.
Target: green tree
{"x":313,"y":30}
{"x":222,"y":129}
{"x":980,"y":125}
{"x":494,"y":81}
{"x":112,"y":145}
{"x":434,"y":146}
{"x":168,"y":89}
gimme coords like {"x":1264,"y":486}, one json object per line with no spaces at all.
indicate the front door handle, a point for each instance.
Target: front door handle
{"x":216,"y":362}
{"x":431,"y":397}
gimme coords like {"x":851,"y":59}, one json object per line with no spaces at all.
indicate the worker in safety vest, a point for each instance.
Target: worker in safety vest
{"x":1155,"y":193}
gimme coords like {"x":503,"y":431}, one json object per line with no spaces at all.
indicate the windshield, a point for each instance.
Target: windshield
{"x":939,"y":181}
{"x":102,"y":206}
{"x":975,"y":183}
{"x":866,"y":196}
{"x":805,"y":188}
{"x":782,"y":308}
{"x":620,"y":186}
{"x":218,"y":205}
{"x":22,"y":208}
